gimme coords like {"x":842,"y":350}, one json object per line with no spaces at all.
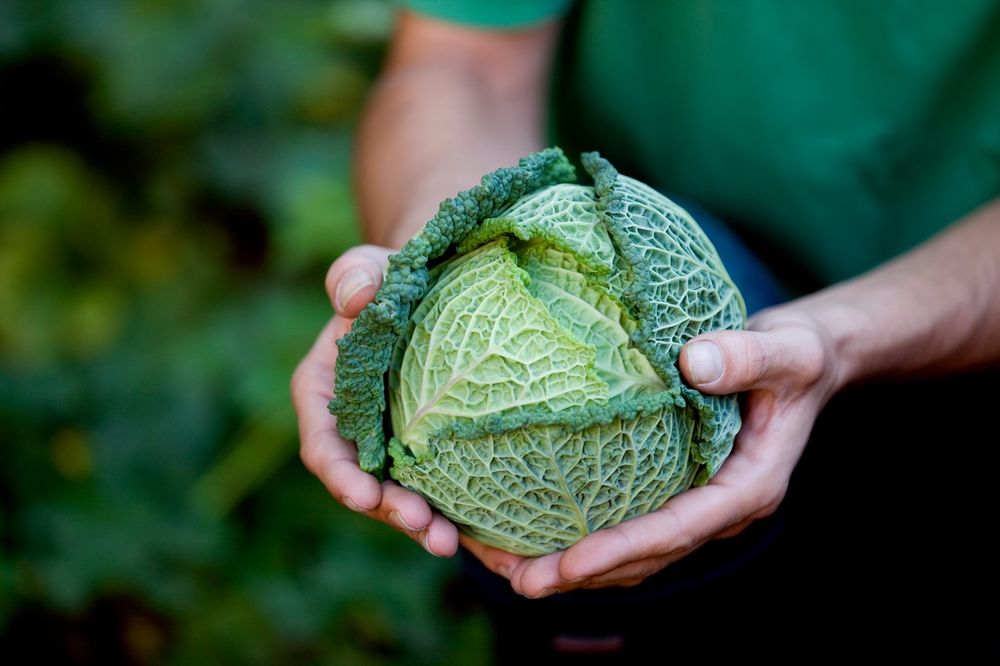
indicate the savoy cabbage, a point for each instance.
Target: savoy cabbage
{"x":525,"y":345}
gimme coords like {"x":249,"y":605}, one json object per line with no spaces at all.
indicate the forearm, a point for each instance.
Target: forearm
{"x":441,"y":117}
{"x":935,"y":309}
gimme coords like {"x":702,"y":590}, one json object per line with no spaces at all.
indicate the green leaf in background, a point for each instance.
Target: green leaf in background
{"x":174,"y":182}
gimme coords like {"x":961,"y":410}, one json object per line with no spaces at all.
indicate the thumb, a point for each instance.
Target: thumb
{"x":732,"y":361}
{"x":354,"y":278}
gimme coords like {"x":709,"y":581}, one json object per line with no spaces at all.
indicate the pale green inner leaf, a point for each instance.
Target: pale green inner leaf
{"x":589,"y":313}
{"x":481,"y":345}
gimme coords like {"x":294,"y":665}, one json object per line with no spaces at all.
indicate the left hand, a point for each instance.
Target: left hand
{"x":786,"y":364}
{"x":351,"y":283}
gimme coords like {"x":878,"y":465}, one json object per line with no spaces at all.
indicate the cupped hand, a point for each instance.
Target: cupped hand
{"x":783,"y":362}
{"x":351,"y":284}
{"x":787,"y":366}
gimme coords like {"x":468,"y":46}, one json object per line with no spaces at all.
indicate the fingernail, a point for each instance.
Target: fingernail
{"x":504,"y":571}
{"x":426,"y":541}
{"x":351,"y":284}
{"x":397,"y":517}
{"x":574,"y":581}
{"x":349,"y":503}
{"x":704,"y":362}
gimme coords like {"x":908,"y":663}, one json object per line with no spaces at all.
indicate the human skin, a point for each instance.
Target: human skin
{"x":455,"y":103}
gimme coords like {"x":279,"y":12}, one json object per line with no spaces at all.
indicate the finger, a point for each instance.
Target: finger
{"x":632,"y":573}
{"x":625,"y":576}
{"x":498,"y":561}
{"x":732,"y":361}
{"x":623,"y":582}
{"x":403,"y":509}
{"x":335,"y":462}
{"x":736,"y":529}
{"x":343,"y":478}
{"x":354,"y":278}
{"x":677,"y":528}
{"x":323,"y":451}
{"x":441,"y":537}
{"x":636,"y":572}
{"x":538,"y":577}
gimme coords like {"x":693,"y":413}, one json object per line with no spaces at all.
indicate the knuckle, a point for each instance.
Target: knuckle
{"x":779,"y":494}
{"x":812,"y":361}
{"x":766,"y":511}
{"x":349,"y":259}
{"x":647,"y":569}
{"x":295,"y":384}
{"x":368,"y":248}
{"x":680,"y":537}
{"x":388,"y":513}
{"x":533,"y":590}
{"x":735,"y":530}
{"x":767,"y":500}
{"x":755,"y":360}
{"x":685,"y":542}
{"x":422,"y":537}
{"x":309,"y":456}
{"x":799,"y":357}
{"x":333,"y":275}
{"x":367,"y":254}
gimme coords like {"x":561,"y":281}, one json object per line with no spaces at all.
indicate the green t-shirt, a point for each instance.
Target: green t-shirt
{"x":839,"y":132}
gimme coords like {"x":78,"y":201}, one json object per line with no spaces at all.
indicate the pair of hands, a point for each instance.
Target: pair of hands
{"x":783,"y":362}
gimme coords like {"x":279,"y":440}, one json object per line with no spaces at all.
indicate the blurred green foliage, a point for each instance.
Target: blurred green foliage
{"x":174,"y":181}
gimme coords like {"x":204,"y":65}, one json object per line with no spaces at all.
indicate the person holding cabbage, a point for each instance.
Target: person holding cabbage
{"x":855,"y":145}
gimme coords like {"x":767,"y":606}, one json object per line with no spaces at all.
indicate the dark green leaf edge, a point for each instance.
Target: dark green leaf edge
{"x":611,"y":206}
{"x":364,"y":353}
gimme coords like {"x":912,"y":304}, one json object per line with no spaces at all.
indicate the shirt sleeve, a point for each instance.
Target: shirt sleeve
{"x":491,"y":13}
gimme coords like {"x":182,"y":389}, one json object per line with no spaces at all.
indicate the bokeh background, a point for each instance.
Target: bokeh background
{"x":174,"y":182}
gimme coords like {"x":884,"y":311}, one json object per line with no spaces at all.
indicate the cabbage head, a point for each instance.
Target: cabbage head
{"x":525,"y":344}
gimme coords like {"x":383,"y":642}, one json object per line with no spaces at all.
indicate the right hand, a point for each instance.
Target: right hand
{"x":351,"y":284}
{"x":787,"y":367}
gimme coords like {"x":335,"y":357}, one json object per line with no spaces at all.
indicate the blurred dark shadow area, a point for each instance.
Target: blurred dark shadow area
{"x":174,"y":182}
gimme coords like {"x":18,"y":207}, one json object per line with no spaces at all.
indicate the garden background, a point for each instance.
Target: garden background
{"x":174,"y":182}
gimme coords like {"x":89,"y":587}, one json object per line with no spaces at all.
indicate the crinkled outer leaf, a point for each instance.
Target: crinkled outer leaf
{"x":364,"y":353}
{"x":564,"y":216}
{"x":540,"y":488}
{"x":677,"y":288}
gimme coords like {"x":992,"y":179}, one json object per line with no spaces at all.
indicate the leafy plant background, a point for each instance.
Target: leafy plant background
{"x":174,"y":182}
